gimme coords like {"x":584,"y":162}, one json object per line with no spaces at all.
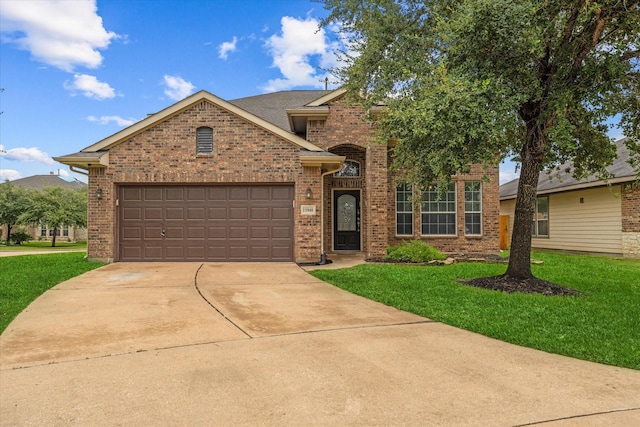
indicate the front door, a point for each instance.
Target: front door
{"x":346,"y":220}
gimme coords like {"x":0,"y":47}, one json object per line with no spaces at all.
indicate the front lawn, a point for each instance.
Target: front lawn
{"x":601,"y":325}
{"x":24,"y":278}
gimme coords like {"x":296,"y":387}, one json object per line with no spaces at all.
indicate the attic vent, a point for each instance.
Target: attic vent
{"x":96,"y":171}
{"x":204,"y":140}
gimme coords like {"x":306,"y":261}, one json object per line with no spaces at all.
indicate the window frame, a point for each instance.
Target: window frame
{"x":348,"y":161}
{"x":434,"y":200}
{"x":204,"y":147}
{"x":535,"y":227}
{"x":407,"y":190}
{"x":473,"y":207}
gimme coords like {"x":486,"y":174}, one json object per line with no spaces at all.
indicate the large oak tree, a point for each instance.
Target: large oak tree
{"x":476,"y":81}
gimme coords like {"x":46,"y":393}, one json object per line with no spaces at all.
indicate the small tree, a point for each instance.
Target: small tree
{"x":13,"y":203}
{"x":57,"y":207}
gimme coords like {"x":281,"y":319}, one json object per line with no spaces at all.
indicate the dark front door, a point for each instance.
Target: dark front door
{"x":346,"y":220}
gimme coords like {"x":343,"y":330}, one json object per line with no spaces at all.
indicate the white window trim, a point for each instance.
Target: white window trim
{"x":473,"y":212}
{"x":404,"y":212}
{"x":455,"y":214}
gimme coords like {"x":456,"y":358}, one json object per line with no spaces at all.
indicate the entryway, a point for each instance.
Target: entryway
{"x":346,"y":220}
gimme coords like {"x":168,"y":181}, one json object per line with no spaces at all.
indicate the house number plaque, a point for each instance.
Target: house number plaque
{"x":308,"y":209}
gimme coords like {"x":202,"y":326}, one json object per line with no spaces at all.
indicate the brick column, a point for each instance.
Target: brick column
{"x":376,"y":200}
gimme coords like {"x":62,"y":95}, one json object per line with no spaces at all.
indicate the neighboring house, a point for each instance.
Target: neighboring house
{"x":42,"y":232}
{"x":589,"y":215}
{"x":285,"y":176}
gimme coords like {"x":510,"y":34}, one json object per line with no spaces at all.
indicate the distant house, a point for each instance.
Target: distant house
{"x":285,"y":176}
{"x":589,"y":215}
{"x":42,"y":232}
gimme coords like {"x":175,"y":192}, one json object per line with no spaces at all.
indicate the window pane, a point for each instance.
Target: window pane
{"x":543,"y":228}
{"x":404,"y":209}
{"x":350,"y":168}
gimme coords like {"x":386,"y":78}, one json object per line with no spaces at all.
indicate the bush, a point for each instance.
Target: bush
{"x":20,"y":236}
{"x":414,"y":251}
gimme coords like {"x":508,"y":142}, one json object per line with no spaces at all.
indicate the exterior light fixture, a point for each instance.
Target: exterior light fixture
{"x":99,"y":193}
{"x":309,"y":193}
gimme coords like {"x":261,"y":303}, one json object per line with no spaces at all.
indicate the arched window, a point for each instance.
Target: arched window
{"x":350,"y":169}
{"x":204,"y":140}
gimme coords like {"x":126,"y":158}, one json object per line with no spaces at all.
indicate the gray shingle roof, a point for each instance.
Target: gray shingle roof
{"x":620,"y":169}
{"x":272,"y":106}
{"x":39,"y":182}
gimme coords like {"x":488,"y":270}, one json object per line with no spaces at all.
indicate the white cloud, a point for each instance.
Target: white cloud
{"x":90,"y":87}
{"x":32,"y":154}
{"x":61,"y":33}
{"x":300,"y":41}
{"x":105,"y":120}
{"x":177,"y":88}
{"x":62,"y":172}
{"x":508,"y":175}
{"x":9,"y":174}
{"x":226,"y":47}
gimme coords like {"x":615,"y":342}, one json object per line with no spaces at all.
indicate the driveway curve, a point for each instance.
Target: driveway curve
{"x":268,"y":344}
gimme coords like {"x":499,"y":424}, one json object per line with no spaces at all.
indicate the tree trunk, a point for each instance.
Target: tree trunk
{"x":532,"y":156}
{"x":53,"y":241}
{"x":9,"y":234}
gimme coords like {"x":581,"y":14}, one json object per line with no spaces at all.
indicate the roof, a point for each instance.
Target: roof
{"x":268,"y":111}
{"x":39,"y":182}
{"x":273,"y":107}
{"x":560,"y":181}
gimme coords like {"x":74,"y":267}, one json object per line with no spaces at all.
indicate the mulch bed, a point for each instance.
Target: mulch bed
{"x":509,"y":284}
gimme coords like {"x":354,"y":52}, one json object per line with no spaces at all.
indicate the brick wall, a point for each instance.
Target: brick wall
{"x":166,"y":153}
{"x":487,"y":243}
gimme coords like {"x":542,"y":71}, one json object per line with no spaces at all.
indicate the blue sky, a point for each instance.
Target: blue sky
{"x":75,"y":72}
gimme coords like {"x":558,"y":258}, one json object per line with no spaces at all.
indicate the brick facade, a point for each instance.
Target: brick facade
{"x":165,"y":153}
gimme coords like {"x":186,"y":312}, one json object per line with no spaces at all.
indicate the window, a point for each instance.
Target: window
{"x":439,"y":211}
{"x":51,"y":230}
{"x":350,"y":169}
{"x":204,"y":140}
{"x":43,"y":231}
{"x":65,"y":231}
{"x":404,"y":210}
{"x":540,"y":226}
{"x":473,"y":208}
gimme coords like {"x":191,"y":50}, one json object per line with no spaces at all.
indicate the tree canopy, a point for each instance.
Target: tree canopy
{"x":13,"y":202}
{"x":57,"y":207}
{"x":475,"y":81}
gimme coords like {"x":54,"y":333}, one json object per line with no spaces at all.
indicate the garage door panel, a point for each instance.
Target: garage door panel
{"x":281,"y":213}
{"x":152,"y":194}
{"x":152,"y":213}
{"x":205,"y":223}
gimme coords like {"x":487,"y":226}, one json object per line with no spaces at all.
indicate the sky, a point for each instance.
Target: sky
{"x":75,"y":72}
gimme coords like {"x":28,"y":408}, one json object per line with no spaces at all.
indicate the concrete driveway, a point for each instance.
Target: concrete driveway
{"x":268,"y":344}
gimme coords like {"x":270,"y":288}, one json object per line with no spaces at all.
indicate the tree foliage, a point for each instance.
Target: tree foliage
{"x":13,"y":202}
{"x":57,"y":207}
{"x":475,"y":81}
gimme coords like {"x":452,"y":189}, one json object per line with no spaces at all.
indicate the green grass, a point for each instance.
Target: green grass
{"x":24,"y":278}
{"x":602,"y":325}
{"x":43,"y":245}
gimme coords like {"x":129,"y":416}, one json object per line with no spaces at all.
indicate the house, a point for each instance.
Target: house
{"x":589,"y":215}
{"x":285,"y":176}
{"x":42,"y":232}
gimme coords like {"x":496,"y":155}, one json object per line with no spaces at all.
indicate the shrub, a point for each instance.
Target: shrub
{"x":414,"y":251}
{"x":20,"y":236}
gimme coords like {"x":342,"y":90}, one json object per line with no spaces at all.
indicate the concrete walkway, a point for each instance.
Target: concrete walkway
{"x":267,"y":344}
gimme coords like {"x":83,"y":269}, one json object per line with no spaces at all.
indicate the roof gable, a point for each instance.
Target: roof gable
{"x":180,"y":106}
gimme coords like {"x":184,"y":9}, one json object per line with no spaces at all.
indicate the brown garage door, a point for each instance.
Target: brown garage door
{"x":205,"y":223}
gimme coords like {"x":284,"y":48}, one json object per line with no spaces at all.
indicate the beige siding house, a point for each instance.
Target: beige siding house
{"x":584,"y":216}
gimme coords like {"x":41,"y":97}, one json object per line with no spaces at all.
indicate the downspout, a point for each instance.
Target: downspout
{"x":323,"y":255}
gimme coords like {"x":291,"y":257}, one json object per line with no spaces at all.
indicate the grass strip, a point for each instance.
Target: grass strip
{"x":24,"y":278}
